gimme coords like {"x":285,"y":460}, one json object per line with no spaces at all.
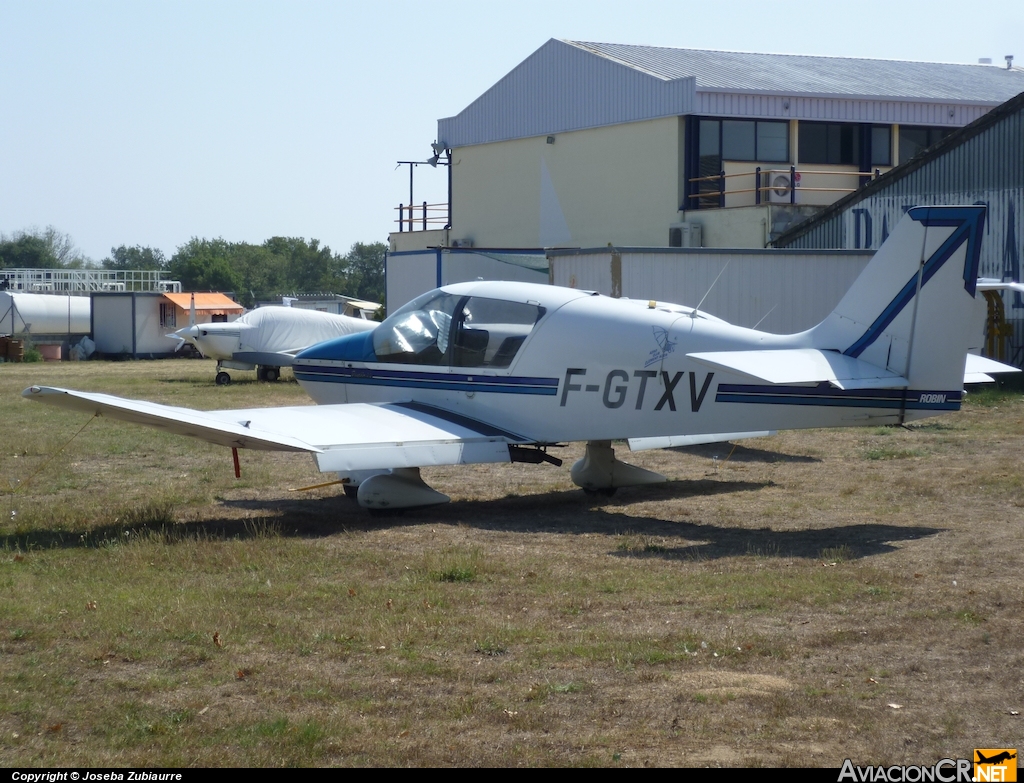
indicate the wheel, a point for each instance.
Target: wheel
{"x":271,"y":374}
{"x":222,"y":379}
{"x":606,"y":492}
{"x":261,"y":373}
{"x":351,"y":490}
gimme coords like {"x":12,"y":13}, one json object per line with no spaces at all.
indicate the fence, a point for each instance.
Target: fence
{"x":777,"y":186}
{"x":425,"y":215}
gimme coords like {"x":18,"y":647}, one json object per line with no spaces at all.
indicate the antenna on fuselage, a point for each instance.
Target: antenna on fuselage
{"x":765,"y":316}
{"x":693,"y":313}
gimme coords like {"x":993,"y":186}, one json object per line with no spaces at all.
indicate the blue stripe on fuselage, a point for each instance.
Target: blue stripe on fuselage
{"x":915,"y":399}
{"x":426,"y":380}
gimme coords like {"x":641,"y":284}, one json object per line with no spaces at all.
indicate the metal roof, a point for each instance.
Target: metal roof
{"x":796,"y":74}
{"x":572,"y":85}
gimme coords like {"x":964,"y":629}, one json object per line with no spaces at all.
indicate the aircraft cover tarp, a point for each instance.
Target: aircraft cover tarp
{"x":275,"y":329}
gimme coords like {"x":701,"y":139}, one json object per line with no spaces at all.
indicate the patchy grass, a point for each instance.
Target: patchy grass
{"x":761,"y":612}
{"x":891,"y":453}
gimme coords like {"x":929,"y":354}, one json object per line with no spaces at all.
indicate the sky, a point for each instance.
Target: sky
{"x":140,"y":122}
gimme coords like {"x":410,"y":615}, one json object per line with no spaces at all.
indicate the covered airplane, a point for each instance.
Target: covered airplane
{"x":267,"y":339}
{"x":497,"y":372}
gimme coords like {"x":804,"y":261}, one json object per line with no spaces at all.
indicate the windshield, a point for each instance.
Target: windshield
{"x":417,"y":333}
{"x":458,"y":331}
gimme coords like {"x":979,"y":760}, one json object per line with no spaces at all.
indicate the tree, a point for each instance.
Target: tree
{"x":40,"y":249}
{"x":63,"y":249}
{"x":25,"y":251}
{"x":364,"y":270}
{"x":308,"y":267}
{"x":205,"y":265}
{"x":280,"y":265}
{"x":137,"y":257}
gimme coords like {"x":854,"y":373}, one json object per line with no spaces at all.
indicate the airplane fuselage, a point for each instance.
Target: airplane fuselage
{"x":595,"y":368}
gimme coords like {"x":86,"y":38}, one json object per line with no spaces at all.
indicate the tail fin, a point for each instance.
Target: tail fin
{"x":910,"y":310}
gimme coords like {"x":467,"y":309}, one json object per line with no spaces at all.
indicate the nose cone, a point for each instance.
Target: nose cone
{"x":189,"y":334}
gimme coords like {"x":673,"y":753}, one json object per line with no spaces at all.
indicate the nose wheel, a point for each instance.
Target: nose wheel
{"x":222,"y":379}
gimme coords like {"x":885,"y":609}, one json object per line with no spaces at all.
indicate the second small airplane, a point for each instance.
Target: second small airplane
{"x":267,"y":339}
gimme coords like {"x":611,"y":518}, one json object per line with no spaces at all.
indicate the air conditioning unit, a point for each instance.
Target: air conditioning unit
{"x":779,"y":185}
{"x":684,"y":235}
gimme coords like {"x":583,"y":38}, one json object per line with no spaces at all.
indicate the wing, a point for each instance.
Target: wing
{"x":356,"y":436}
{"x":268,"y":358}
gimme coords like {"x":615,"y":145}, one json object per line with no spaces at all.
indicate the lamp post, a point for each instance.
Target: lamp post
{"x":442,"y":156}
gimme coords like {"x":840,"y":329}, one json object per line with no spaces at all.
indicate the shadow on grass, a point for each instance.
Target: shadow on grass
{"x":565,"y":512}
{"x":740,"y":453}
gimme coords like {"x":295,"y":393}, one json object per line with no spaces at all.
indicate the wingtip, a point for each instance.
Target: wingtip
{"x":38,"y":392}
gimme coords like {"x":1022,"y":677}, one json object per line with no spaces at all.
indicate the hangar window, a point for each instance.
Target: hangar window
{"x":845,"y":144}
{"x":915,"y":140}
{"x":754,"y":140}
{"x":830,"y":143}
{"x":881,"y":145}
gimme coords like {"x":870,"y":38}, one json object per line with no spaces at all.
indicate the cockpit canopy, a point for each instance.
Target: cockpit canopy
{"x":441,"y":329}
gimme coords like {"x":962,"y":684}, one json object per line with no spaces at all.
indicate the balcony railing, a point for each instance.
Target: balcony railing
{"x":776,"y":186}
{"x":422,"y":216}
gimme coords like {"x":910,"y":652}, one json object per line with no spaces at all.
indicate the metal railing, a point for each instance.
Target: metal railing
{"x":426,"y":216}
{"x":764,"y":186}
{"x":84,"y":281}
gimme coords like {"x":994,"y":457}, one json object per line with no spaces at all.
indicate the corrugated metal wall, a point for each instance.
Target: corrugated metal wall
{"x":723,"y":104}
{"x":790,"y":290}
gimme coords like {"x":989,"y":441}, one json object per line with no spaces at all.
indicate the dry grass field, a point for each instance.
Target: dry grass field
{"x":795,"y":600}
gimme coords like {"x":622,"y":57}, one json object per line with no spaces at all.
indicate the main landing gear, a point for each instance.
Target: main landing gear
{"x":263,"y":373}
{"x":386,"y":491}
{"x":269,"y":374}
{"x":391,"y":490}
{"x":599,"y":473}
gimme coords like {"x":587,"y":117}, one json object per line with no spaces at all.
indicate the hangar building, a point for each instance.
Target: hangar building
{"x":585,"y":144}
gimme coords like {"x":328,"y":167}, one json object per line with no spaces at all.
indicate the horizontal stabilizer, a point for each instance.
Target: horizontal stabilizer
{"x":350,"y":437}
{"x":991,"y":284}
{"x":802,"y":365}
{"x":979,"y":367}
{"x":669,"y":441}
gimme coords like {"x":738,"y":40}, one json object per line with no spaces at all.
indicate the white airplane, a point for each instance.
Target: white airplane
{"x":266,"y":339}
{"x":497,"y":372}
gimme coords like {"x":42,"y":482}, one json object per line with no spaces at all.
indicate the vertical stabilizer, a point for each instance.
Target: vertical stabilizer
{"x":911,"y":309}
